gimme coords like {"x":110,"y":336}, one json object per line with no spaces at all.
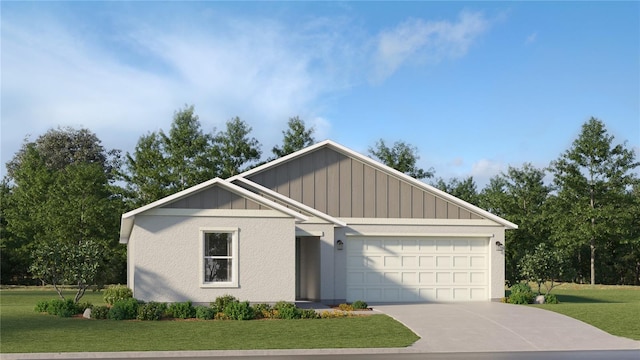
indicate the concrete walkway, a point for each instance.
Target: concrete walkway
{"x":492,"y":326}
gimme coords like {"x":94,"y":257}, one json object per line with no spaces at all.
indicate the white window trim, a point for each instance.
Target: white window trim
{"x":234,"y":257}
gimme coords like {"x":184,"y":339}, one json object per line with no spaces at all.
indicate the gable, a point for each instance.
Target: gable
{"x":215,"y":198}
{"x":345,"y":186}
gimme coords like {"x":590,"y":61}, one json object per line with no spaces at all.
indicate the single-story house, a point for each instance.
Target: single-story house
{"x":324,"y":224}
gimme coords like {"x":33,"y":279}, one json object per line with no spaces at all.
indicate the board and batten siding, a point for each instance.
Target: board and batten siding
{"x":215,"y":198}
{"x":341,"y":186}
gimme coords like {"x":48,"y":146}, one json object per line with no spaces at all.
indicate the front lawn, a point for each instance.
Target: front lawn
{"x":24,"y":330}
{"x":614,"y":309}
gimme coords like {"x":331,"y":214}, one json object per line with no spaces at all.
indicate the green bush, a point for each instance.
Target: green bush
{"x":124,"y":309}
{"x":59,"y":307}
{"x":309,"y":314}
{"x":181,"y":310}
{"x":359,"y":305}
{"x":262,"y":311}
{"x":41,"y":306}
{"x":151,"y":311}
{"x":521,"y":294}
{"x":116,"y":293}
{"x":221,"y":302}
{"x":551,"y":299}
{"x":99,"y":312}
{"x":239,"y":311}
{"x":287,"y":310}
{"x":205,"y":312}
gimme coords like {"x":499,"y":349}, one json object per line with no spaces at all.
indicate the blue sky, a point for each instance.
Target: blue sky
{"x":476,"y":86}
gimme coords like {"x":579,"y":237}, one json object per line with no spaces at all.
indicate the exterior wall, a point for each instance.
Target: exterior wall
{"x":496,"y":256}
{"x":215,"y":198}
{"x":341,"y":186}
{"x":164,"y":258}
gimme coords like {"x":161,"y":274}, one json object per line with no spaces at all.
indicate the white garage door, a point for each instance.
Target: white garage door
{"x":383,"y":269}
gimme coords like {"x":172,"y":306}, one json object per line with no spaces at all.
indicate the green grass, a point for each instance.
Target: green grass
{"x":23,"y":330}
{"x":614,"y":309}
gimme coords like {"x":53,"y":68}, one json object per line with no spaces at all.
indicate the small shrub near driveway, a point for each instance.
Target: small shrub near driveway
{"x":521,"y":293}
{"x":359,"y":305}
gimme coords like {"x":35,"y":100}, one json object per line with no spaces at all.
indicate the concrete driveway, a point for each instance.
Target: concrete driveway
{"x":493,"y":326}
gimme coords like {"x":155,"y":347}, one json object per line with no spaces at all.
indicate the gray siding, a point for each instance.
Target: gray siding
{"x":215,"y":198}
{"x":341,"y":186}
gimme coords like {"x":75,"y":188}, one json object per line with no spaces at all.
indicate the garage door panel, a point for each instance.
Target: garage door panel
{"x":427,"y":262}
{"x":417,"y":269}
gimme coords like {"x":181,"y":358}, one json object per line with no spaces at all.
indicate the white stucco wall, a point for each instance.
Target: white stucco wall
{"x":164,"y":258}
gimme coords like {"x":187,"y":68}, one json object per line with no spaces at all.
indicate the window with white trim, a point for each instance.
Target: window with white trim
{"x":219,"y":260}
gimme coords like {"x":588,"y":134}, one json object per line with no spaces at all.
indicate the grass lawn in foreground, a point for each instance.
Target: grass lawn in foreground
{"x":24,"y":330}
{"x":614,"y":309}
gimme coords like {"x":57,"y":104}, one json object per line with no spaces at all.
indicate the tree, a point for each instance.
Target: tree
{"x":543,"y":266}
{"x":58,"y":264}
{"x":165,"y":163}
{"x":402,"y":157}
{"x":464,"y":189}
{"x":148,"y":173}
{"x":186,"y":149}
{"x":65,"y":199}
{"x":296,"y":137}
{"x":233,"y":149}
{"x":592,"y":178}
{"x":520,"y":196}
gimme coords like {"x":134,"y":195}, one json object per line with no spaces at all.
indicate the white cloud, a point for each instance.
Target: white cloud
{"x":52,"y":75}
{"x":484,"y":169}
{"x":431,"y":41}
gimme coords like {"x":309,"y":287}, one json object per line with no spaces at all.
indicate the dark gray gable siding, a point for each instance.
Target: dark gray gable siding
{"x":215,"y":198}
{"x":341,"y":186}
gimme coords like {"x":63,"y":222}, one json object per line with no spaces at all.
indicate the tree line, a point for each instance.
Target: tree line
{"x":61,"y":200}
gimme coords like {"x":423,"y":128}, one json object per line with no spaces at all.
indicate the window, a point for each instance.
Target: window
{"x":219,"y":265}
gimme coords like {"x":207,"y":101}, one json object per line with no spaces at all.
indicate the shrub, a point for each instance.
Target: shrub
{"x":124,"y":309}
{"x":551,"y":299}
{"x":221,"y":302}
{"x":521,"y":294}
{"x":262,"y":311}
{"x":239,"y":311}
{"x":360,"y":305}
{"x":181,"y":310}
{"x":309,"y":314}
{"x":41,"y":306}
{"x":345,"y":307}
{"x":151,"y":311}
{"x":205,"y":312}
{"x":286,"y":310}
{"x":334,"y":314}
{"x":59,"y":307}
{"x":116,"y":293}
{"x":99,"y":312}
